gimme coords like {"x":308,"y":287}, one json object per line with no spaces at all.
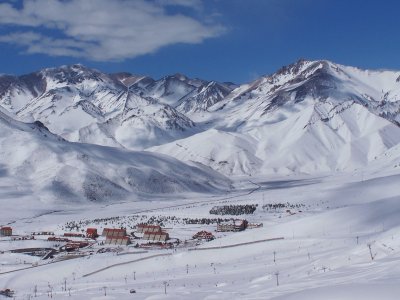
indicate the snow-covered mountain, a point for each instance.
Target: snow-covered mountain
{"x":41,"y":163}
{"x":203,"y":97}
{"x":379,"y":91}
{"x":85,"y":105}
{"x":185,"y":94}
{"x":311,"y":116}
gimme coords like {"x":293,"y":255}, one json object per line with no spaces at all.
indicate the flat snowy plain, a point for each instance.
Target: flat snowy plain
{"x":324,"y":253}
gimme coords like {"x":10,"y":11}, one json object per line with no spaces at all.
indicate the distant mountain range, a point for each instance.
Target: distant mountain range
{"x":308,"y":117}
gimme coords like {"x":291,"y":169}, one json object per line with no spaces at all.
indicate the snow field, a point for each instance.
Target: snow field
{"x":319,"y":252}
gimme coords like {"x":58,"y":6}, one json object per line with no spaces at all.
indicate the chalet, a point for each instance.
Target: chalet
{"x":121,"y":240}
{"x":114,"y":232}
{"x":156,"y":236}
{"x":142,"y":228}
{"x":91,"y":233}
{"x":204,"y":235}
{"x":6,"y":231}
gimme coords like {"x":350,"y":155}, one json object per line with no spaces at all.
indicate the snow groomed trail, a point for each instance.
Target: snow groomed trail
{"x":236,"y":245}
{"x":125,"y":263}
{"x":169,"y":254}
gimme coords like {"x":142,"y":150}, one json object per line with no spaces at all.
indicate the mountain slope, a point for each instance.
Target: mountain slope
{"x":311,"y":116}
{"x":86,"y":105}
{"x":203,"y":97}
{"x":308,"y":117}
{"x":379,"y":91}
{"x":121,"y":110}
{"x":140,"y":123}
{"x":55,"y":169}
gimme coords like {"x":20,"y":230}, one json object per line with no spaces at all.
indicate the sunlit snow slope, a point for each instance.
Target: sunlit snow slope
{"x":308,"y":117}
{"x":52,"y":169}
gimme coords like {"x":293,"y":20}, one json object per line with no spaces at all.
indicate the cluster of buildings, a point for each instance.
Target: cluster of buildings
{"x":119,"y":236}
{"x":151,"y":234}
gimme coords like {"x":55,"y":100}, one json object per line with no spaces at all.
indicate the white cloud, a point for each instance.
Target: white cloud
{"x":101,"y":29}
{"x":189,"y":3}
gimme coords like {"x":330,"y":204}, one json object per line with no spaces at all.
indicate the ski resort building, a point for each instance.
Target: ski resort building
{"x":114,"y":232}
{"x":204,"y":235}
{"x":6,"y":231}
{"x":235,"y":225}
{"x":91,"y":233}
{"x":156,"y":236}
{"x":142,"y":228}
{"x":116,"y":236}
{"x":123,"y":240}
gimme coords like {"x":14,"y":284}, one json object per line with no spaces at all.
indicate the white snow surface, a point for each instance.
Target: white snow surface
{"x":324,"y":253}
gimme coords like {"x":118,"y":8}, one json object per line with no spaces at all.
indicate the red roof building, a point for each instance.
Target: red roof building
{"x":114,"y":232}
{"x":124,"y":240}
{"x":6,"y":231}
{"x":156,"y":236}
{"x":91,"y":233}
{"x":204,"y":235}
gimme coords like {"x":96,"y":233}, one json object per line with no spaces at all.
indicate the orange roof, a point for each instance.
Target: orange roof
{"x":6,"y":228}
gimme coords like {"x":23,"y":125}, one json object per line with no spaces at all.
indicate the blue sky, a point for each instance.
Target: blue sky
{"x":226,"y":40}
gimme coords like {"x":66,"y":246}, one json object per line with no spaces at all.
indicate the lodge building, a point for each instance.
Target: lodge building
{"x":6,"y":231}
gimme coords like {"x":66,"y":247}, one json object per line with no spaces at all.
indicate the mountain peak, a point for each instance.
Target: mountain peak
{"x":180,"y":76}
{"x":302,"y":65}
